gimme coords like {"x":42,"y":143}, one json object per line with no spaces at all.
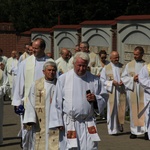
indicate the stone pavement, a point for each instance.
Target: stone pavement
{"x":121,"y":142}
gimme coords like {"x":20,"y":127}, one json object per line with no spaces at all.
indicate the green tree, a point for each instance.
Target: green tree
{"x":27,"y":14}
{"x":4,"y":10}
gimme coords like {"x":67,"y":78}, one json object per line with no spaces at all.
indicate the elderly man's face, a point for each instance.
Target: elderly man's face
{"x":83,"y":48}
{"x":80,"y":66}
{"x":50,"y":73}
{"x":114,"y":58}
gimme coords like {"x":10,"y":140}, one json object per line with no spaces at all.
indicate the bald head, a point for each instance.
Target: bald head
{"x":14,"y":54}
{"x":114,"y":57}
{"x":65,"y":54}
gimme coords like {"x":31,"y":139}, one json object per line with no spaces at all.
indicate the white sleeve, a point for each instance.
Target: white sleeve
{"x":20,"y":82}
{"x":108,"y":85}
{"x":127,"y":79}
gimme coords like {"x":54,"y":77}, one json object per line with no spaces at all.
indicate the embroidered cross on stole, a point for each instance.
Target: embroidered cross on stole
{"x":41,"y":114}
{"x":40,"y":107}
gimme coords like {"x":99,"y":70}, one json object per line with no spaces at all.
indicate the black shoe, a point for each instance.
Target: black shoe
{"x":115,"y":134}
{"x":121,"y":128}
{"x":146,"y":136}
{"x":133,"y":136}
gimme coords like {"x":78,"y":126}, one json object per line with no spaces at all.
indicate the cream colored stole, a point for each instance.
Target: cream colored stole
{"x":41,"y":122}
{"x":1,"y":74}
{"x":122,"y":98}
{"x":24,"y":55}
{"x":136,"y":106}
{"x":29,"y":76}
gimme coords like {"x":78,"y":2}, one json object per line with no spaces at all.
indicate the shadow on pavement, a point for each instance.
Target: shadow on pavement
{"x":11,"y":138}
{"x":5,"y":125}
{"x":9,"y":144}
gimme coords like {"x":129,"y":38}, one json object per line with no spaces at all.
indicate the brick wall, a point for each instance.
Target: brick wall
{"x":21,"y":41}
{"x":7,"y":43}
{"x":9,"y":40}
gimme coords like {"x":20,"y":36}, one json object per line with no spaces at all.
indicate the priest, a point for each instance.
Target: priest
{"x":37,"y":113}
{"x":72,"y":104}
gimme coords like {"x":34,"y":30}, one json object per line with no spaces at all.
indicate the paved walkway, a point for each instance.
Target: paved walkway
{"x":121,"y":142}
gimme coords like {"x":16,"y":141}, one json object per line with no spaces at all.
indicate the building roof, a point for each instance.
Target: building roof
{"x":66,"y":27}
{"x":98,"y":22}
{"x":26,"y":32}
{"x":133,"y":17}
{"x":41,"y":30}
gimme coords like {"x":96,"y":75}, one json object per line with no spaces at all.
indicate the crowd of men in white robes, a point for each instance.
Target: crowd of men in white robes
{"x":55,"y":98}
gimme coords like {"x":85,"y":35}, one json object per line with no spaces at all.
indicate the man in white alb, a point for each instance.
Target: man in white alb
{"x":144,"y":80}
{"x":62,"y":62}
{"x":72,"y":105}
{"x":135,"y":93}
{"x":29,"y":71}
{"x":37,"y":113}
{"x":116,"y":105}
{"x":12,"y":62}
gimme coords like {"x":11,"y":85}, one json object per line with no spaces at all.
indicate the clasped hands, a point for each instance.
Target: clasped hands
{"x":136,"y":78}
{"x":115,"y":83}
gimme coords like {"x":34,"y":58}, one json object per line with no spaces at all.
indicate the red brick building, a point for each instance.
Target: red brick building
{"x":10,"y":40}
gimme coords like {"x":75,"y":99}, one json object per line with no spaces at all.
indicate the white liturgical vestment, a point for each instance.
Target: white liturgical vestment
{"x":131,"y":86}
{"x":74,"y":112}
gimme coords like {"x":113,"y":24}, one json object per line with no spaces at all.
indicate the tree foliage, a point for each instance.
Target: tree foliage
{"x":27,"y":14}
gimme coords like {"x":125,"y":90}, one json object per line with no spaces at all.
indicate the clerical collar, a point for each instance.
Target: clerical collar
{"x":41,"y":58}
{"x":52,"y":82}
{"x":115,"y":64}
{"x":139,"y":61}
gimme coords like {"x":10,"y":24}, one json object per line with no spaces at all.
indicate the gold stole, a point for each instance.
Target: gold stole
{"x":40,"y":105}
{"x":122,"y":98}
{"x":40,"y":112}
{"x":136,"y":106}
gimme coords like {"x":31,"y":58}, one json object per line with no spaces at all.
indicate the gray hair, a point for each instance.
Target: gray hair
{"x":50,"y":63}
{"x":82,"y":55}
